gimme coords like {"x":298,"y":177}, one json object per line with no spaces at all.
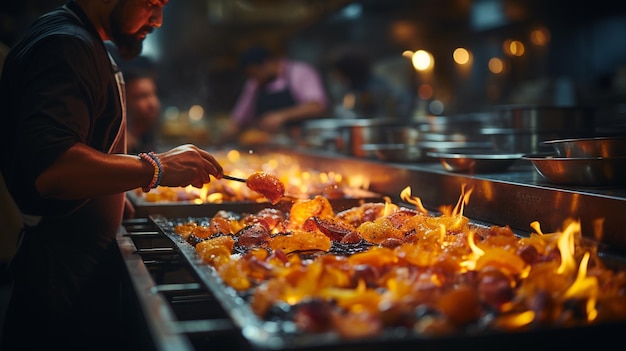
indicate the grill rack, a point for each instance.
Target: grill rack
{"x":514,"y":198}
{"x":186,"y":307}
{"x":176,"y":311}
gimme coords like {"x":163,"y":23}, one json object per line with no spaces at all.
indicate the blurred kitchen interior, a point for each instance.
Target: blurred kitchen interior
{"x":545,"y":52}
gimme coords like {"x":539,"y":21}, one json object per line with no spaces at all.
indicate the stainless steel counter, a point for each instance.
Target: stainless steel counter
{"x":176,"y":312}
{"x":516,"y":197}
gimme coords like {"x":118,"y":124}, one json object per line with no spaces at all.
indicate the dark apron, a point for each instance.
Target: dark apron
{"x":271,"y":101}
{"x":274,"y":100}
{"x":66,"y":285}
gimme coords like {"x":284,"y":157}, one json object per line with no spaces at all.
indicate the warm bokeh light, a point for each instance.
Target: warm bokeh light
{"x":425,"y":91}
{"x":196,"y":113}
{"x":540,"y":36}
{"x":233,"y":156}
{"x":423,"y":60}
{"x":408,"y":54}
{"x":517,"y":48}
{"x":349,"y":100}
{"x":496,"y":65}
{"x":513,"y":47}
{"x":461,"y":56}
{"x":403,"y":31}
{"x":506,"y":46}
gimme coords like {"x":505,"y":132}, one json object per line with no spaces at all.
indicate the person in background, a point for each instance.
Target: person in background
{"x":65,"y":165}
{"x":143,"y":108}
{"x":278,"y":94}
{"x":362,"y":93}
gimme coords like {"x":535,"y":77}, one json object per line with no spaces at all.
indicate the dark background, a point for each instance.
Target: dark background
{"x":195,"y":52}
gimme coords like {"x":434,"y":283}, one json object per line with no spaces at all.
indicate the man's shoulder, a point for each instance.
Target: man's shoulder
{"x":299,"y":63}
{"x":297,"y":67}
{"x":53,"y":25}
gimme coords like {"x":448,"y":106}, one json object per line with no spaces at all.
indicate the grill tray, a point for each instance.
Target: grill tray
{"x":144,"y":208}
{"x":282,"y":335}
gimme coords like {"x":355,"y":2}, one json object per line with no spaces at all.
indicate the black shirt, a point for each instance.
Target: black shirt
{"x":58,"y":88}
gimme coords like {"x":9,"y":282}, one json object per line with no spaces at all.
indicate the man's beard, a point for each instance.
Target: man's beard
{"x":129,"y":45}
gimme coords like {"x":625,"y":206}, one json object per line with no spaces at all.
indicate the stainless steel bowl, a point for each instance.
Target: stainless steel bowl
{"x":419,"y":151}
{"x":585,"y":171}
{"x":589,"y":147}
{"x":396,"y":152}
{"x":519,"y":141}
{"x":475,"y":161}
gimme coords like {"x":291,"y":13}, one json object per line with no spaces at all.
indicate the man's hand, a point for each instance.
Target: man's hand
{"x":272,"y":121}
{"x":189,"y":165}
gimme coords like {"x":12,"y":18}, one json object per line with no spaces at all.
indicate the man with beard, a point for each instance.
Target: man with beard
{"x":65,"y":164}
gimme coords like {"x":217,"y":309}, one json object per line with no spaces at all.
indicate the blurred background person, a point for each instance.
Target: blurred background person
{"x":143,"y":109}
{"x":359,"y":92}
{"x":278,"y":94}
{"x":143,"y":104}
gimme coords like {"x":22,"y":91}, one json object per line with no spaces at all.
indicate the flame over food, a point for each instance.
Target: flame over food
{"x":379,"y":265}
{"x":298,"y":181}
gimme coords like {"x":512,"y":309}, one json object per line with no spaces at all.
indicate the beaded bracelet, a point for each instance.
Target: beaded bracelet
{"x":157,"y":171}
{"x":159,"y":164}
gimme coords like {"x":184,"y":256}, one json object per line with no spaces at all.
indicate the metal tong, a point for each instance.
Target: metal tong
{"x":234,"y":178}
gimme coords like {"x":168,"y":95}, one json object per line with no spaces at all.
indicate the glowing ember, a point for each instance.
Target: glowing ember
{"x":299,"y":182}
{"x":372,"y":266}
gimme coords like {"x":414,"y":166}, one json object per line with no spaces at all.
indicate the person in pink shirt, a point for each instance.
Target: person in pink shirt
{"x":278,"y":94}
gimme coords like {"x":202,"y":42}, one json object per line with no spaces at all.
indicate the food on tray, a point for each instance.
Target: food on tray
{"x":266,"y":184}
{"x":380,"y":265}
{"x":298,"y":182}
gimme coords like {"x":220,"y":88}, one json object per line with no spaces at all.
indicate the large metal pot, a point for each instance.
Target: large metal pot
{"x":354,"y":133}
{"x":323,"y":134}
{"x":542,"y":118}
{"x":522,"y":128}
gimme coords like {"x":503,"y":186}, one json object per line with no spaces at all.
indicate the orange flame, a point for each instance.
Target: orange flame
{"x":463,"y":200}
{"x":387,"y":210}
{"x":215,"y":198}
{"x":406,"y":196}
{"x":585,"y":287}
{"x":515,"y":320}
{"x":204,"y":191}
{"x":472,"y":258}
{"x":566,"y":247}
{"x":537,"y":227}
{"x":442,"y":235}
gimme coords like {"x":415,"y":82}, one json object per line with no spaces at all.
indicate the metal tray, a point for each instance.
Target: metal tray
{"x":186,"y":208}
{"x":279,"y":335}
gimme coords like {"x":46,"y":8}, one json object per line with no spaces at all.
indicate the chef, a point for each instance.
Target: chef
{"x":65,"y":165}
{"x":278,"y":94}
